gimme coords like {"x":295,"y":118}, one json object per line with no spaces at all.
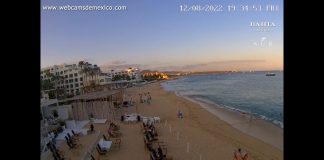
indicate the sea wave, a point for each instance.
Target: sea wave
{"x":239,"y":111}
{"x":207,"y":101}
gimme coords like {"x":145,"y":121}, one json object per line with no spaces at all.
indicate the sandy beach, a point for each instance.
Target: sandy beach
{"x":208,"y":136}
{"x":200,"y":135}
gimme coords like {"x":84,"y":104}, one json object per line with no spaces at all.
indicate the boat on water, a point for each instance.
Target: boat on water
{"x":270,"y":74}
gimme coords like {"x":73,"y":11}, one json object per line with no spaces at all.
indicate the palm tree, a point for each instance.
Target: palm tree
{"x":56,"y":80}
{"x":46,"y":84}
{"x":48,"y":74}
{"x":84,"y":71}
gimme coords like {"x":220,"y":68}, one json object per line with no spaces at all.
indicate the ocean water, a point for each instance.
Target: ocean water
{"x":250,"y":92}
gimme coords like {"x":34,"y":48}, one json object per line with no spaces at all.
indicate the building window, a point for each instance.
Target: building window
{"x":66,"y":76}
{"x":67,"y":86}
{"x":81,"y":79}
{"x":70,"y":80}
{"x":76,"y":85}
{"x":81,"y":84}
{"x":76,"y":80}
{"x":71,"y":75}
{"x":61,"y":72}
{"x":75,"y":74}
{"x":66,"y":81}
{"x":71,"y":85}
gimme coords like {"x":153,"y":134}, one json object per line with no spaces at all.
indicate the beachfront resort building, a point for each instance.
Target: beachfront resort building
{"x":154,"y":75}
{"x":76,"y":78}
{"x":133,"y":73}
{"x":71,"y":77}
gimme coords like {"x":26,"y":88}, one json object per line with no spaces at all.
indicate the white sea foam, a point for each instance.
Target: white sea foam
{"x":192,"y":89}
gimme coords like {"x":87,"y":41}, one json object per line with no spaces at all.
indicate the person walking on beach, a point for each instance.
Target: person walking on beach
{"x":144,"y":98}
{"x":180,"y":114}
{"x":149,"y":96}
{"x":91,"y":127}
{"x":141,"y":98}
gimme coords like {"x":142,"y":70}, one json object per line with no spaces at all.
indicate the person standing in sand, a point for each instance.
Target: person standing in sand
{"x":149,"y":97}
{"x":180,"y":114}
{"x":141,"y":98}
{"x":238,"y":155}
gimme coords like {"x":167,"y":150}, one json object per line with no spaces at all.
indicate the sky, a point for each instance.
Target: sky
{"x":156,"y":34}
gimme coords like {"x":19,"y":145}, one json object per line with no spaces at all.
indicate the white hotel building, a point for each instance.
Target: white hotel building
{"x":73,"y":79}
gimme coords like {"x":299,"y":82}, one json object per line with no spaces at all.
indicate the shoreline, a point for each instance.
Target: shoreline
{"x":257,"y":127}
{"x":199,"y":127}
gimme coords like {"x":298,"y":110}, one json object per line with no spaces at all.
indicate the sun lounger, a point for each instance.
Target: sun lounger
{"x":105,"y":145}
{"x":100,"y":121}
{"x":100,"y":151}
{"x":156,"y":119}
{"x":76,"y":134}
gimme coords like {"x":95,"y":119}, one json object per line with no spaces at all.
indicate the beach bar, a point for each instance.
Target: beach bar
{"x":96,"y":105}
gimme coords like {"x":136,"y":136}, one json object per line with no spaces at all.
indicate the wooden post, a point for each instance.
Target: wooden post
{"x":187,"y":147}
{"x":178,"y":136}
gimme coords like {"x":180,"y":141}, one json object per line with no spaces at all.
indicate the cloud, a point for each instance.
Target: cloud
{"x":208,"y":66}
{"x":214,"y":65}
{"x":117,"y":62}
{"x":119,"y":65}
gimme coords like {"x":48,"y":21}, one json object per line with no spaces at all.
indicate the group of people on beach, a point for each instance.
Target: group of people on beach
{"x":145,"y":98}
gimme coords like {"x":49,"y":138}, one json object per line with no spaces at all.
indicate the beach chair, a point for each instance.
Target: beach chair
{"x":72,"y":138}
{"x":156,"y":119}
{"x":56,"y":157}
{"x":155,"y":155}
{"x":91,"y":157}
{"x":161,"y":153}
{"x":68,"y":139}
{"x":150,"y":138}
{"x":104,"y":137}
{"x":100,"y":151}
{"x":53,"y":149}
{"x":114,"y":134}
{"x":152,"y":157}
{"x":76,"y":134}
{"x":117,"y":143}
{"x":147,"y":144}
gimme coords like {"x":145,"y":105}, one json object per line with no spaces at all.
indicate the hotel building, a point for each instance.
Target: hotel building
{"x":73,"y":79}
